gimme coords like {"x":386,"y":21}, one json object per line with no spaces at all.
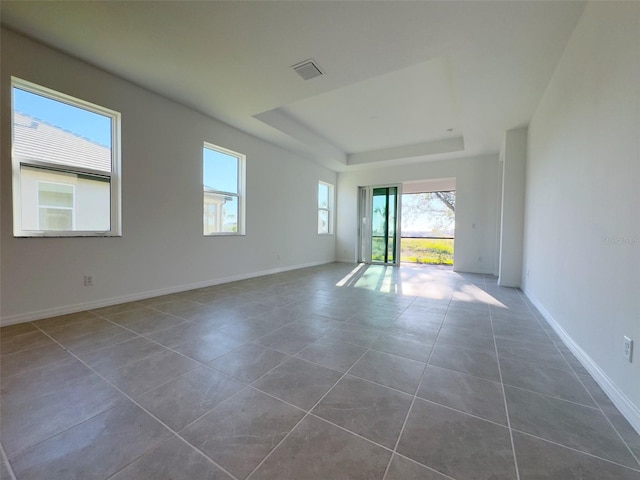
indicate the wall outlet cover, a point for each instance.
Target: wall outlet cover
{"x":627,"y":348}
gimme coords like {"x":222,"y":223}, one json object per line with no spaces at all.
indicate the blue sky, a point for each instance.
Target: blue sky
{"x":220,"y":171}
{"x":82,"y":122}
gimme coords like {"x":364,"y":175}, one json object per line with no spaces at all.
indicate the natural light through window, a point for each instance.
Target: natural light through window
{"x":223,"y":180}
{"x":325,"y":208}
{"x":66,"y":163}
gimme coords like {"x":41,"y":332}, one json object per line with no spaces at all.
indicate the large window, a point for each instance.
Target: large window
{"x":66,"y":164}
{"x":325,"y":208}
{"x":223,"y":181}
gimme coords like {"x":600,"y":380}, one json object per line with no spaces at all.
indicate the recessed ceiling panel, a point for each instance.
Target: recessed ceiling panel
{"x":408,"y":106}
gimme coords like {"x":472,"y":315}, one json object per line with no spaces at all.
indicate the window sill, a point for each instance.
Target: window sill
{"x":206,"y":235}
{"x":65,"y":235}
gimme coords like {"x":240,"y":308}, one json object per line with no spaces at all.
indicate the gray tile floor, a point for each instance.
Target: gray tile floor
{"x":333,"y":372}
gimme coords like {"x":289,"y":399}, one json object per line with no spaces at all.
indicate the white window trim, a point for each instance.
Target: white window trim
{"x":241,"y":195}
{"x":330,"y":209}
{"x":114,"y":176}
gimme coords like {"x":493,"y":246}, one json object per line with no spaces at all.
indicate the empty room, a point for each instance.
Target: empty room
{"x":393,"y":240}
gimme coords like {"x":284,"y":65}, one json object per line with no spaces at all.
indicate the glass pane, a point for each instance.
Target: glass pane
{"x":56,"y":219}
{"x":211,"y":217}
{"x":391,"y":220}
{"x":46,"y":193}
{"x":220,"y":213}
{"x":220,"y":171}
{"x":383,"y":224}
{"x":230,"y":215}
{"x":323,"y":221}
{"x":377,"y":249}
{"x":429,"y":214}
{"x":323,"y":195}
{"x":379,"y":225}
{"x":55,"y":132}
{"x":379,"y":213}
{"x":55,"y":194}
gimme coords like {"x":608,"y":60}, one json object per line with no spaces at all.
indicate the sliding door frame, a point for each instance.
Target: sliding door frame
{"x":365,"y":224}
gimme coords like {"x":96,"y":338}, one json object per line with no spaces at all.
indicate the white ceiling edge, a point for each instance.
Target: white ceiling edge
{"x":321,"y":147}
{"x":432,"y":185}
{"x":446,"y":145}
{"x":331,"y":156}
{"x":390,"y":164}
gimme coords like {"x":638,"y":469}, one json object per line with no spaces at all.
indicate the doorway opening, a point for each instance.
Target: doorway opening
{"x":428,"y":222}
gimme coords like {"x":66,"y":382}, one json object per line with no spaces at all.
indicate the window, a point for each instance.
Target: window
{"x":66,"y":163}
{"x":223,"y":181}
{"x":325,"y":208}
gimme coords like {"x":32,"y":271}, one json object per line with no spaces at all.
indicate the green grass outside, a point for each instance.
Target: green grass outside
{"x":427,"y":250}
{"x":377,"y":249}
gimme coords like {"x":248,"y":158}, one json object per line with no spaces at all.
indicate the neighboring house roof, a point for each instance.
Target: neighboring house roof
{"x":34,"y":139}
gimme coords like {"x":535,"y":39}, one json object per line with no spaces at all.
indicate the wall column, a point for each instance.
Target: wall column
{"x":513,"y":157}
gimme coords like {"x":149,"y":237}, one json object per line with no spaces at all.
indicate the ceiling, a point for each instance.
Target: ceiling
{"x":403,"y":81}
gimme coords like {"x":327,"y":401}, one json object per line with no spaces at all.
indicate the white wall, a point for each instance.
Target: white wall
{"x":476,"y":189}
{"x":582,"y":220}
{"x":162,"y":247}
{"x":513,"y":156}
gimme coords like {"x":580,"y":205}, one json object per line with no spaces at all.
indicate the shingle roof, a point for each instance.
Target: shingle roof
{"x":38,"y":140}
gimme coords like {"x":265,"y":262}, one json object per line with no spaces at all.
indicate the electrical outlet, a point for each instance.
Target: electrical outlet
{"x":88,"y":280}
{"x":627,"y":348}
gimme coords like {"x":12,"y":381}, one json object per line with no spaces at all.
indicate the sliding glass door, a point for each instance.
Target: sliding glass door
{"x":379,"y":224}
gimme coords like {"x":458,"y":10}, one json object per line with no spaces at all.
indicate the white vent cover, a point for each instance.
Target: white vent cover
{"x":308,"y":69}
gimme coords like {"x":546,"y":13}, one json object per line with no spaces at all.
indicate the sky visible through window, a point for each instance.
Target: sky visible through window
{"x":423,"y":214}
{"x":220,"y":171}
{"x":79,"y":121}
{"x":323,"y":195}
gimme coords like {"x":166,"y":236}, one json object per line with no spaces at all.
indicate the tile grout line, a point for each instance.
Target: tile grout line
{"x":483,"y":285}
{"x":596,"y":407}
{"x":303,"y":417}
{"x":246,"y":385}
{"x":575,"y":373}
{"x":132,"y":400}
{"x":504,"y":398}
{"x":395,"y":390}
{"x":5,"y":460}
{"x":573,"y":449}
{"x":142,"y":358}
{"x":204,"y":364}
{"x":250,"y":384}
{"x":633,"y":455}
{"x":311,"y":414}
{"x":415,"y":395}
{"x":431,"y":469}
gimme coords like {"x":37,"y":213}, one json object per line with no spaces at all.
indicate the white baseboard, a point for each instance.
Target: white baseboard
{"x":80,"y":307}
{"x":630,"y":411}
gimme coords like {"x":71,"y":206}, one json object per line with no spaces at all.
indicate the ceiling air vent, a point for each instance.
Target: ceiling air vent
{"x":307,"y":69}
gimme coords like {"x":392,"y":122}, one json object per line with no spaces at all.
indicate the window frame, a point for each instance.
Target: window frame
{"x":113,"y":177}
{"x":240,"y":195}
{"x":329,"y":209}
